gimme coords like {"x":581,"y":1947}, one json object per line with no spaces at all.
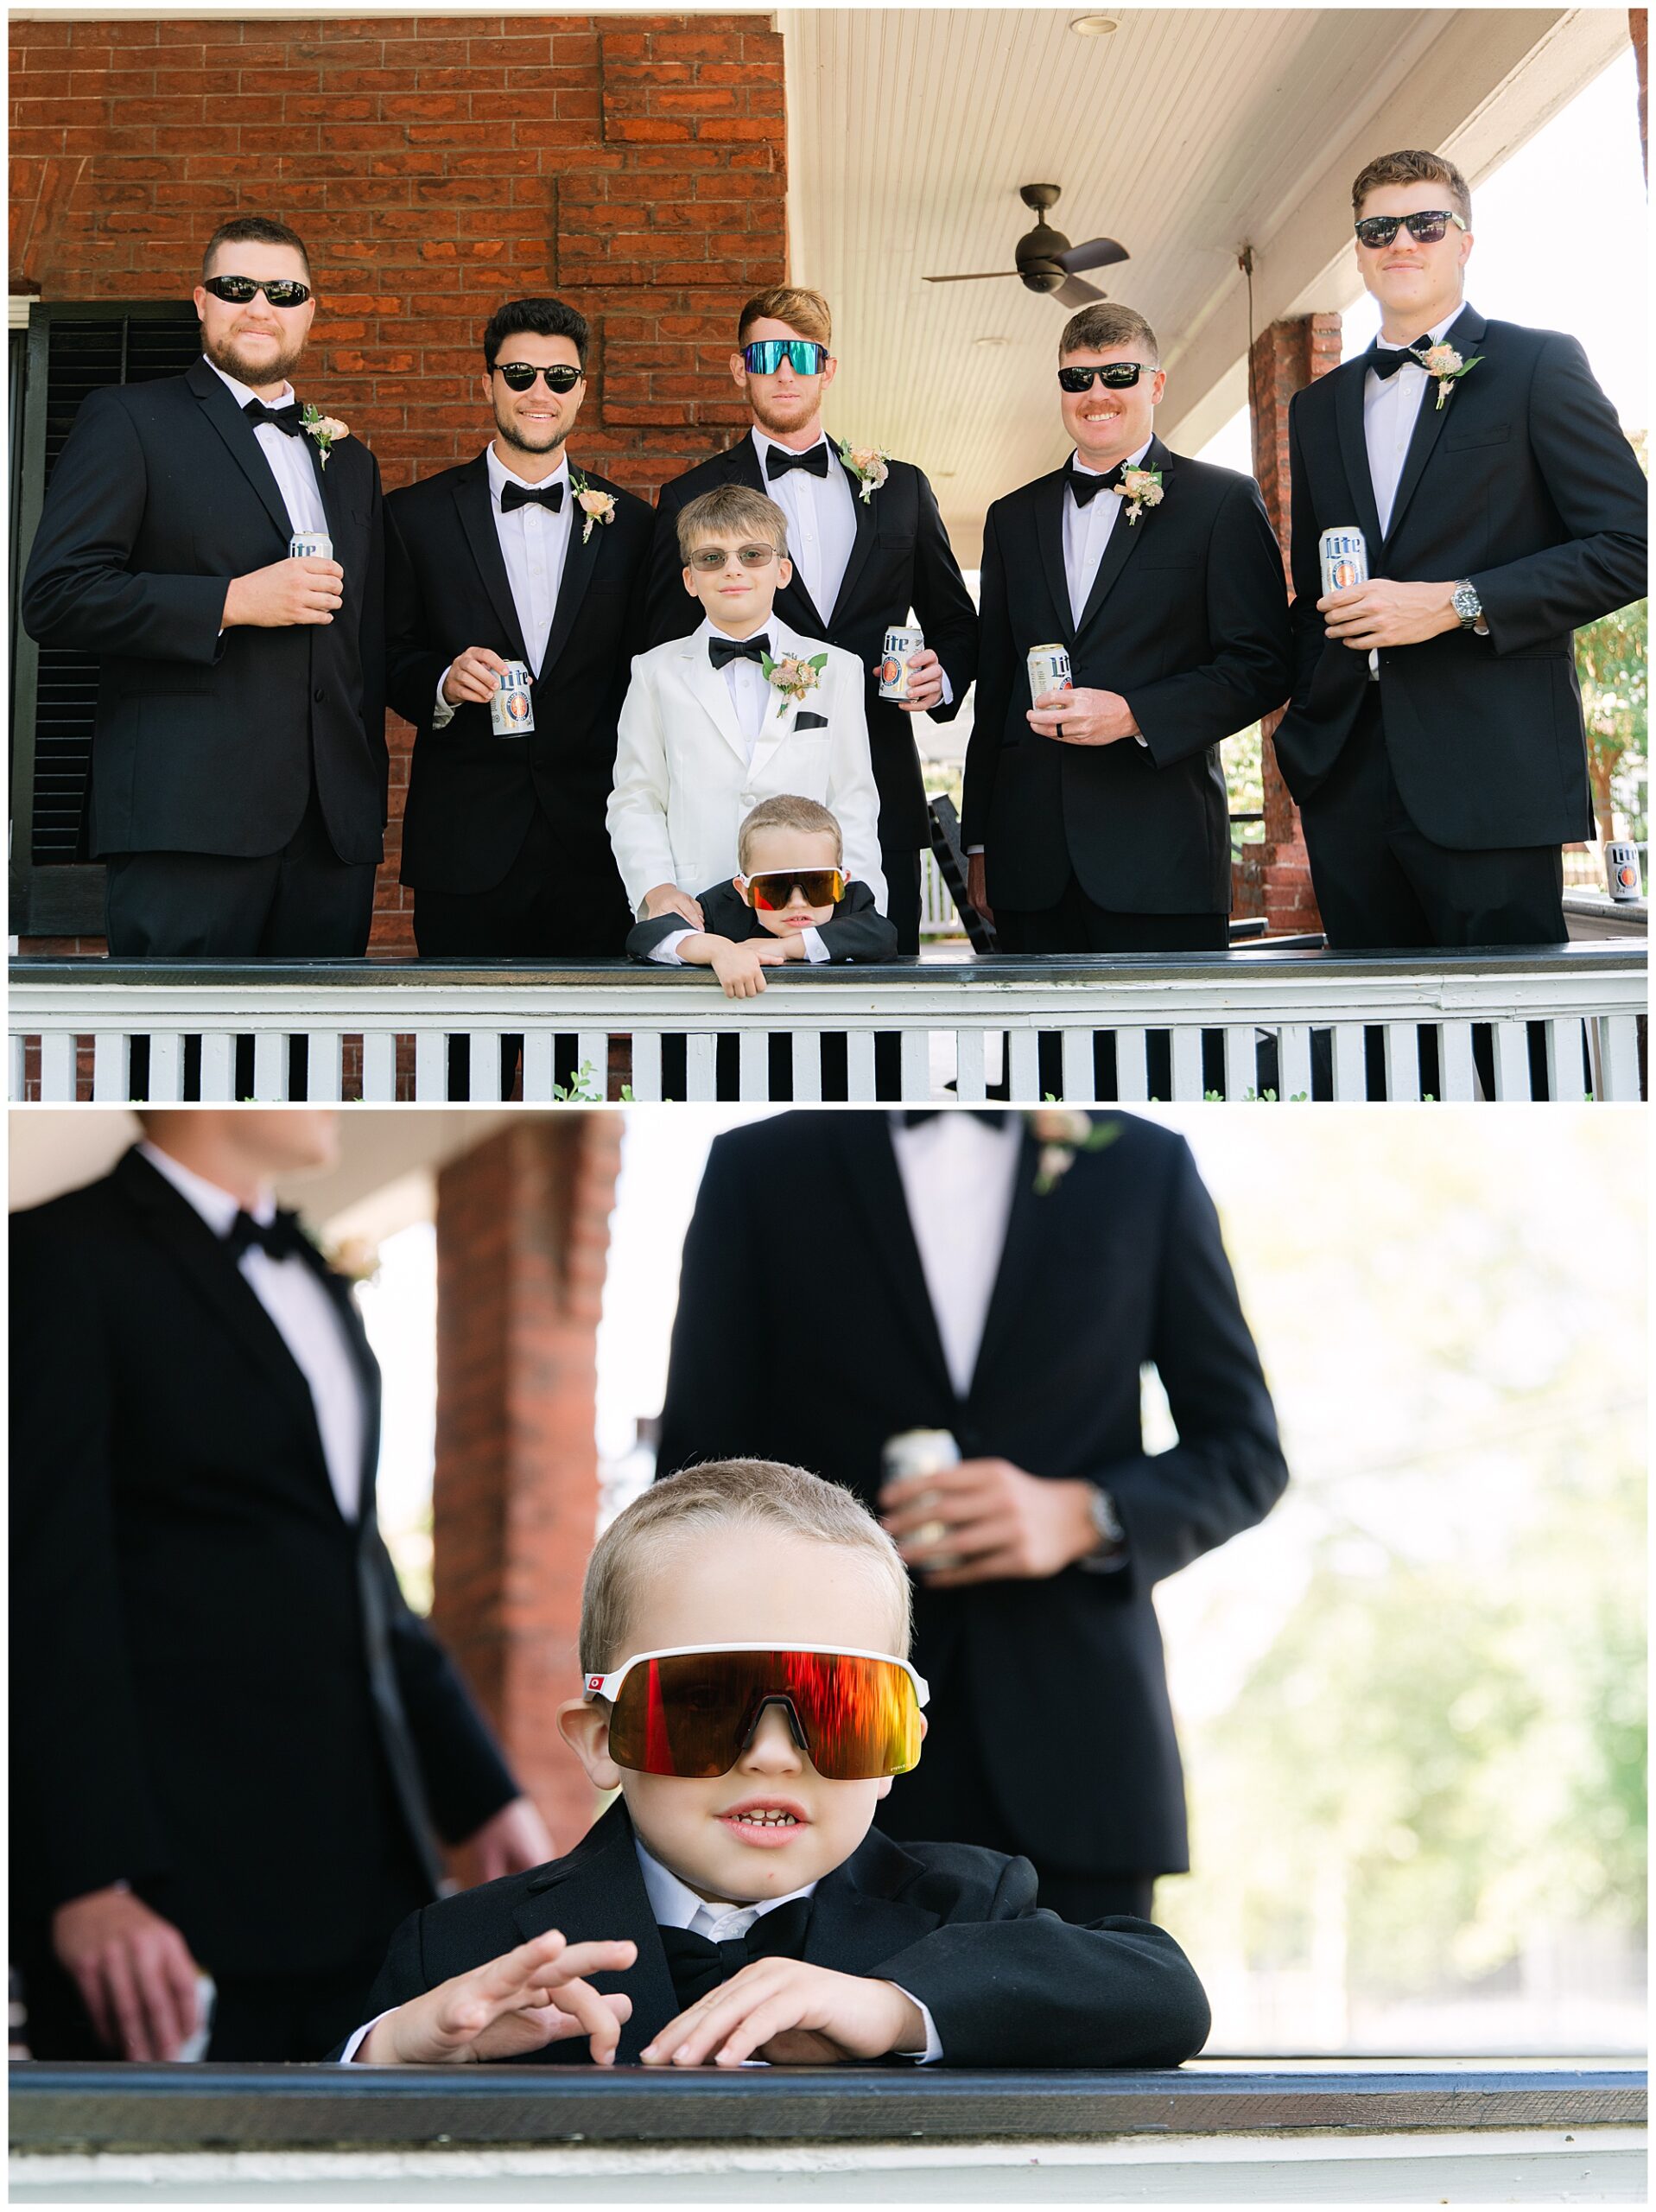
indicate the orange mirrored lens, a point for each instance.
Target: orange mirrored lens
{"x":818,"y":886}
{"x":693,"y":1715}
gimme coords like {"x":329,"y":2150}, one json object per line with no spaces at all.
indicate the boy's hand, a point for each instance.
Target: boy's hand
{"x":792,"y":2014}
{"x":740,"y":968}
{"x":523,"y":2001}
{"x":668,"y":898}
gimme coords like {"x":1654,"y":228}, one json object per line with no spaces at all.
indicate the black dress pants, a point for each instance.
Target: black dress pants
{"x":900,"y":866}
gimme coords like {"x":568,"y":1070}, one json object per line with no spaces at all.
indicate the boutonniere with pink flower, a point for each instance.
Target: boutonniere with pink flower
{"x":793,"y":678}
{"x":1061,"y":1132}
{"x":597,"y":506}
{"x":325,"y":428}
{"x":353,"y":1257}
{"x":1445,"y":368}
{"x":868,"y":464}
{"x":1141,"y":488}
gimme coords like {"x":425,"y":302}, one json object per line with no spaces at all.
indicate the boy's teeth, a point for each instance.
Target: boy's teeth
{"x":770,"y":1820}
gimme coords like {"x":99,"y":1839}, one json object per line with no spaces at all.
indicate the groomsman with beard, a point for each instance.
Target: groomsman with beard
{"x":238,"y":763}
{"x":868,"y":548}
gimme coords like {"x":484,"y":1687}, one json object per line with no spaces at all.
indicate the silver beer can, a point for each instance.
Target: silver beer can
{"x":1621,"y":867}
{"x":894,"y":661}
{"x":310,"y":545}
{"x":923,"y":1451}
{"x":1048,"y":671}
{"x":1344,"y":555}
{"x":510,"y":711}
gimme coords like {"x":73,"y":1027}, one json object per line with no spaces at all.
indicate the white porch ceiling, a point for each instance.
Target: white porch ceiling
{"x":1186,"y":134}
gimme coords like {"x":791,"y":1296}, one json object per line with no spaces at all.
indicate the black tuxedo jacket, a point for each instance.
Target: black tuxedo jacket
{"x":472,"y":795}
{"x":902,"y":558}
{"x":1187,"y":620}
{"x":203,"y":741}
{"x":1522,"y":482}
{"x":858,"y":930}
{"x":1006,"y":1983}
{"x":219,"y":1693}
{"x":1121,"y":1264}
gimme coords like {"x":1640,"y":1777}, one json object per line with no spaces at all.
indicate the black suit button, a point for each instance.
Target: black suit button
{"x":319,"y":694}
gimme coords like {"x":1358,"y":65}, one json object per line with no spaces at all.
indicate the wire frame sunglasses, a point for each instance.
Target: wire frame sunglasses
{"x":1425,"y":227}
{"x":237,"y":291}
{"x":1120,"y":376}
{"x":714,"y":557}
{"x":765,"y":355}
{"x":770,"y":891}
{"x":693,"y":1711}
{"x":520,"y":375}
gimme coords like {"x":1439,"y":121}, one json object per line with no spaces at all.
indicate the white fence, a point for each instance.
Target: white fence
{"x":1562,"y":1023}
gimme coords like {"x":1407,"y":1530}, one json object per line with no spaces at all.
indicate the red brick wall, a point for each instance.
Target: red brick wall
{"x":636,"y":165}
{"x":523,"y":1232}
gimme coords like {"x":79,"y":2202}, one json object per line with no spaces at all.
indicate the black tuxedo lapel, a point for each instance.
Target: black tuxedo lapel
{"x":1048,"y":532}
{"x":875,"y":1189}
{"x":233,"y":427}
{"x":1464,"y":332}
{"x":856,"y":1923}
{"x":579,"y":564}
{"x":1125,"y":536}
{"x":1353,"y":451}
{"x":863,"y":511}
{"x":475,"y":504}
{"x":596,"y":1894}
{"x":1016,"y":1276}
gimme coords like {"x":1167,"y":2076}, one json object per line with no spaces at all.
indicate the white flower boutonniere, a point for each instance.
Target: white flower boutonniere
{"x":793,"y":678}
{"x":1061,"y":1132}
{"x":868,"y":464}
{"x":323,"y":429}
{"x":1141,"y":488}
{"x":597,"y":506}
{"x":354,"y":1258}
{"x":1445,"y":368}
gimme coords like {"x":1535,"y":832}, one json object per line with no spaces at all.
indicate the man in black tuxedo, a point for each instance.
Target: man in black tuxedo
{"x":232,"y":1740}
{"x":977,"y":1291}
{"x":238,"y":763}
{"x":1435,"y":740}
{"x":867,"y":549}
{"x":516,"y":556}
{"x":1096,"y":820}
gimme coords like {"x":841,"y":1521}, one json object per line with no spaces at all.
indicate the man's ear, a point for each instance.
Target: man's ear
{"x":584,"y":1727}
{"x":739,"y":373}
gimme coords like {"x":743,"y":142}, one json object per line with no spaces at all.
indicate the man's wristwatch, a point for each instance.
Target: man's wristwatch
{"x":1470,"y":607}
{"x":1106,"y":1523}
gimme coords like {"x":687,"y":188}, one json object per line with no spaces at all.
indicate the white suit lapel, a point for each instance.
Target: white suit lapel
{"x":781,"y":713}
{"x":708,"y":685}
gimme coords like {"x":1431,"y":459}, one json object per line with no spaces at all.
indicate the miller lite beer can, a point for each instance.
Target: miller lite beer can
{"x":1345,"y":559}
{"x":923,"y":1451}
{"x":894,"y":661}
{"x":510,"y":711}
{"x":1048,"y":671}
{"x":1621,"y":867}
{"x":310,"y":545}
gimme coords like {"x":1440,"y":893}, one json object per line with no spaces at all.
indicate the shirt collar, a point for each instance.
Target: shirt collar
{"x":1132,"y":461}
{"x":709,"y":628}
{"x":675,"y":1905}
{"x":762,"y":445}
{"x":218,"y":1208}
{"x":500,"y":476}
{"x":241,"y":393}
{"x":1436,"y":335}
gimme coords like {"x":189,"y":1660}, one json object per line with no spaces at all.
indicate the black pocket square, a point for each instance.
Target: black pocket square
{"x":802,"y":720}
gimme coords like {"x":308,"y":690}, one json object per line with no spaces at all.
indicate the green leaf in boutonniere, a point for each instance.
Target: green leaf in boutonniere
{"x":325,"y":428}
{"x":868,"y":464}
{"x":793,"y":677}
{"x":1141,"y":488}
{"x":1061,"y":1132}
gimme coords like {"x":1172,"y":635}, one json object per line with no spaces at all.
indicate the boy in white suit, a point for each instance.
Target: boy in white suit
{"x":741,"y":710}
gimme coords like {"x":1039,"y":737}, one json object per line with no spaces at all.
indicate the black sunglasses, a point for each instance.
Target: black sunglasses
{"x":1120,"y":376}
{"x":763,"y":357}
{"x":237,"y":291}
{"x":1426,"y":227}
{"x":520,"y":375}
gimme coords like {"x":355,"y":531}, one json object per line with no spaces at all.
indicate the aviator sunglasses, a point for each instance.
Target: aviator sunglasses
{"x":692,"y":1712}
{"x":765,"y":356}
{"x":237,"y":291}
{"x":1120,"y":376}
{"x":769,"y":892}
{"x":714,"y":557}
{"x":1426,"y":227}
{"x":520,"y":375}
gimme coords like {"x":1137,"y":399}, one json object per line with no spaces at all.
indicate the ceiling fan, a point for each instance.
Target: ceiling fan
{"x":1046,"y":262}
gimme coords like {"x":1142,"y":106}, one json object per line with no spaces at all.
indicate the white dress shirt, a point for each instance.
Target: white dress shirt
{"x":958,"y":1173}
{"x":305,"y":1318}
{"x":821,"y":515}
{"x":1086,"y":531}
{"x":290,"y":457}
{"x":534,"y":544}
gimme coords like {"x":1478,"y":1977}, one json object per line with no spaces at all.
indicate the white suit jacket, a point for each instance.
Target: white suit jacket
{"x":683,"y":781}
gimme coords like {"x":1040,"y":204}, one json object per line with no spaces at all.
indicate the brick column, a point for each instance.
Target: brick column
{"x":523,"y":1229}
{"x":1638,"y":26}
{"x":1276,"y":879}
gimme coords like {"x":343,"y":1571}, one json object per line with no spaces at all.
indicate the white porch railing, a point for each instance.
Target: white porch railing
{"x":1256,"y":1022}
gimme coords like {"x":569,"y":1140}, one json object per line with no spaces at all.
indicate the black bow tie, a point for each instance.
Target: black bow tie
{"x":991,"y":1117}
{"x":697,"y":1964}
{"x":288,"y":417}
{"x":1385,"y":362}
{"x":780,"y":461}
{"x":283,"y":1238}
{"x":721,"y":649}
{"x":520,"y":495}
{"x":1087,"y":488}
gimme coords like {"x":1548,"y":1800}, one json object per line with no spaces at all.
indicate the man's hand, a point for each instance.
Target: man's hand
{"x":509,"y":1841}
{"x":1381,"y":612}
{"x":668,"y":898}
{"x":792,"y":2014}
{"x":977,"y":885}
{"x":133,"y":1969}
{"x":925,"y":683}
{"x":1000,"y":1523}
{"x":473,"y":675}
{"x":288,"y":591}
{"x":740,"y":968}
{"x":523,"y":2001}
{"x":1083,"y":716}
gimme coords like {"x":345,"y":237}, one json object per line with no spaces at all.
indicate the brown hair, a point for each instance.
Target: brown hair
{"x":721,"y":1493}
{"x":732,"y":511}
{"x":797,"y":306}
{"x":786,"y":811}
{"x":1103,"y":325}
{"x":253,"y":230}
{"x":1412,"y":167}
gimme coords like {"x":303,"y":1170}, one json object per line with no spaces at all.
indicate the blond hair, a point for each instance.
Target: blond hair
{"x":1103,"y":325}
{"x":797,"y":305}
{"x":788,"y":811}
{"x":733,"y":510}
{"x":725,"y":1493}
{"x":1412,"y":167}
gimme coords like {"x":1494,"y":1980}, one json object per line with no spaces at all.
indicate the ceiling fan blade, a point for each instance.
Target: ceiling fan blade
{"x":1092,"y":253}
{"x":971,"y":276}
{"x":1073,"y":293}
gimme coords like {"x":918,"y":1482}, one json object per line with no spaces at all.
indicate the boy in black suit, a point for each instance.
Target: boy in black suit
{"x":790,"y":899}
{"x":742,"y":1625}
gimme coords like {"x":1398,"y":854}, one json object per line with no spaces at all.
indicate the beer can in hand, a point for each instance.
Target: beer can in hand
{"x":510,"y":711}
{"x":310,"y":545}
{"x":894,"y":661}
{"x":1048,"y":671}
{"x":1345,"y":559}
{"x":1621,"y":867}
{"x":923,"y":1451}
